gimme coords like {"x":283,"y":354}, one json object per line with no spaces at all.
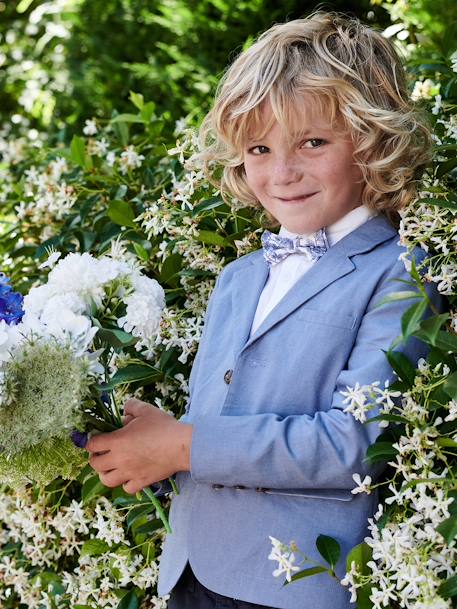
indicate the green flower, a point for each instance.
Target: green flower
{"x":43,"y":463}
{"x":45,"y":387}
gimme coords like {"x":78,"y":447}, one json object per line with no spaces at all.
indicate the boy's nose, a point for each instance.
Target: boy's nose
{"x":285,"y":172}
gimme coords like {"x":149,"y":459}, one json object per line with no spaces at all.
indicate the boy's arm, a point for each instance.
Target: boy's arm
{"x":302,"y":451}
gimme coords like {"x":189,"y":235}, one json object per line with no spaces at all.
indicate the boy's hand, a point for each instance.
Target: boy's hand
{"x":150,"y":447}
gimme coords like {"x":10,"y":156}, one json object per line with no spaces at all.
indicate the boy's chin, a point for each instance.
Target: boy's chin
{"x":300,"y":228}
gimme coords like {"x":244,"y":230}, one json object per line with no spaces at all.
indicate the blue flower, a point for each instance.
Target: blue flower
{"x":11,"y":309}
{"x":79,"y":438}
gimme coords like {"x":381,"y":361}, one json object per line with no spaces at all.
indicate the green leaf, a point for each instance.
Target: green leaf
{"x":141,"y":252}
{"x":412,"y":317}
{"x":446,"y":341}
{"x":131,"y":374}
{"x":450,"y":386}
{"x":440,"y":203}
{"x":129,"y":601}
{"x":446,"y":167}
{"x":127,"y":118}
{"x":137,"y":513}
{"x":361,"y":555}
{"x":402,"y":367}
{"x":122,"y":132}
{"x":329,"y":549}
{"x":429,"y":328}
{"x":120,"y":212}
{"x":211,"y":238}
{"x":396,"y":296}
{"x":393,"y":418}
{"x":78,"y":153}
{"x":116,"y":338}
{"x":94,"y":547}
{"x":170,"y":269}
{"x":306,"y":573}
{"x":92,"y":488}
{"x":211,"y":203}
{"x":448,"y":528}
{"x":380,"y":451}
{"x":23,"y":6}
{"x":149,"y":527}
{"x":155,"y":128}
{"x":147,"y":112}
{"x":446,"y":442}
{"x":137,"y":99}
{"x":449,"y":587}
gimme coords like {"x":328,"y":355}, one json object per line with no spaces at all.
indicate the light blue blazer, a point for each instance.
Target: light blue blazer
{"x":273,"y":453}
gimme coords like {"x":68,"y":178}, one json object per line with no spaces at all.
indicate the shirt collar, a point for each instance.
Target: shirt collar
{"x":342,"y":227}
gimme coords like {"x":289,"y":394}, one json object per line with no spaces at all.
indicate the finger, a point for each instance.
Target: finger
{"x":127,"y":418}
{"x":112,"y":478}
{"x":102,"y":442}
{"x":136,"y":407}
{"x":131,"y":487}
{"x":103,"y":462}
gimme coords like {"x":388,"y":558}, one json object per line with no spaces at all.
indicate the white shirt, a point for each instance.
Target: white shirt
{"x":284,"y":274}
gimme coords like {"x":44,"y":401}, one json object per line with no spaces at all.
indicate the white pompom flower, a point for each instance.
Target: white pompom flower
{"x":144,"y":308}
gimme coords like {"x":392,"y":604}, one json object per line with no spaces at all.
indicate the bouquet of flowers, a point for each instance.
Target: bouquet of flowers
{"x":64,"y":348}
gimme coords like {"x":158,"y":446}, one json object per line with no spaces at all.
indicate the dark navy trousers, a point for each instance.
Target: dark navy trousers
{"x":189,"y":593}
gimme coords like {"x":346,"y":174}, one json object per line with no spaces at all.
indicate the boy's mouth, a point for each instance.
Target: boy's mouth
{"x":297,"y":199}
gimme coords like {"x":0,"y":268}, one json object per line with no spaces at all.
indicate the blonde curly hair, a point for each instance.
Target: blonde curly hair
{"x":354,"y":77}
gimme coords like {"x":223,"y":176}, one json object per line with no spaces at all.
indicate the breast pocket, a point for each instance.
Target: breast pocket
{"x":335,"y":319}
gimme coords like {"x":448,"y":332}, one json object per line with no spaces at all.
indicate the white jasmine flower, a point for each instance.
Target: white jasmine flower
{"x":130,"y":159}
{"x":90,"y":128}
{"x":438,"y":104}
{"x":452,"y":406}
{"x":356,"y":397}
{"x":51,"y":260}
{"x":111,"y":158}
{"x":454,"y":61}
{"x":180,"y":126}
{"x":285,"y":558}
{"x":363,"y":486}
{"x":423,"y":89}
{"x":100,"y":147}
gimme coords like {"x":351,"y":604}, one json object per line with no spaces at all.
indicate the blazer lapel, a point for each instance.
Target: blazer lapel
{"x":249,"y":281}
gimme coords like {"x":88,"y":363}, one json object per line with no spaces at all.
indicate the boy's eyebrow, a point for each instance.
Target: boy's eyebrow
{"x":299,"y":134}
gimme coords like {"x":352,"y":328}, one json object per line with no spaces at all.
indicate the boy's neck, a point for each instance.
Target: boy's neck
{"x":339,"y":229}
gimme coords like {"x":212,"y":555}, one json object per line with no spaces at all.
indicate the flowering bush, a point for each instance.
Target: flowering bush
{"x":69,"y":547}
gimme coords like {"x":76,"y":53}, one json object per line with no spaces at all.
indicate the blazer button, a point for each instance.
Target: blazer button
{"x":228,"y":376}
{"x":216,"y":487}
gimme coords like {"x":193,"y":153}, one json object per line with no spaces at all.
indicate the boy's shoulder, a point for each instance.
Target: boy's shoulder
{"x":240,"y":263}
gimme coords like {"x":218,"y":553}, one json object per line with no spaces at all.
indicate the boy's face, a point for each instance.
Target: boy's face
{"x":308,"y":182}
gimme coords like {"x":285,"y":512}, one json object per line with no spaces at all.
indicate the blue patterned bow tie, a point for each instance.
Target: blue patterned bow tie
{"x":276,"y":248}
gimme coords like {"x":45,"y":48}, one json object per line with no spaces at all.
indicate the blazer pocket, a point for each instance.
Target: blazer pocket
{"x":327,"y":318}
{"x":323,"y":493}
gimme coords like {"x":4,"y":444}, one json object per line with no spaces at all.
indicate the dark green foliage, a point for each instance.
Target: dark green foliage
{"x":173,"y":51}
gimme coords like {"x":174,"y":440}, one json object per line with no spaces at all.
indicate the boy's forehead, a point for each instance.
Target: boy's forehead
{"x":302,"y":116}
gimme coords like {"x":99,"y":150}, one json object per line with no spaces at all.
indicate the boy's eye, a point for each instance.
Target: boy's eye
{"x":259,"y":150}
{"x":314,"y":142}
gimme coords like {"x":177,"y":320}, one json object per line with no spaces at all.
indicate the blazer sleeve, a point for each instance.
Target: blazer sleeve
{"x":303,"y":451}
